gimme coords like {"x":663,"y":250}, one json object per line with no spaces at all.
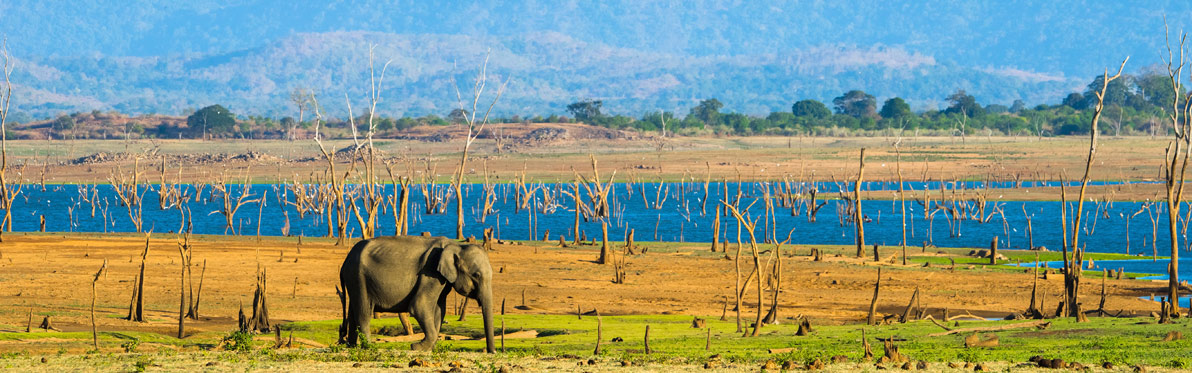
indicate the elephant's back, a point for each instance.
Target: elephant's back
{"x":392,"y":254}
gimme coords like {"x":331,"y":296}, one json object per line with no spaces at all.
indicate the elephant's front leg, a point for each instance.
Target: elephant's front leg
{"x":426,"y":310}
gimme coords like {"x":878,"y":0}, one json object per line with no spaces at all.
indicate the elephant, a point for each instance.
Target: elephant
{"x":413,"y":274}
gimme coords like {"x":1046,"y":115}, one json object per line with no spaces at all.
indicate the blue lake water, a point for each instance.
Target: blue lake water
{"x":679,"y":217}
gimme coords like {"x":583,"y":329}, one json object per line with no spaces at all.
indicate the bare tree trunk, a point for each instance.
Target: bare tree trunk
{"x":870,"y":320}
{"x":94,"y":332}
{"x":858,"y":216}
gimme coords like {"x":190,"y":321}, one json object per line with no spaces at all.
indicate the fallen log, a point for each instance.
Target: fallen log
{"x":1028,"y":324}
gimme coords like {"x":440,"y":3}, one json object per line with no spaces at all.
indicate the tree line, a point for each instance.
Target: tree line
{"x":1134,"y":105}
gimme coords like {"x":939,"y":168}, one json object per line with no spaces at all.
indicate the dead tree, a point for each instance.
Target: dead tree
{"x":1072,"y":266}
{"x":715,"y":229}
{"x":230,"y":205}
{"x":184,"y":259}
{"x":8,"y":192}
{"x":877,"y":286}
{"x":1033,"y":311}
{"x":906,"y":314}
{"x":400,"y":202}
{"x":749,"y":225}
{"x":857,"y":215}
{"x":136,"y":305}
{"x":260,"y":310}
{"x":94,"y":333}
{"x":474,"y":129}
{"x":333,"y":194}
{"x":597,"y":207}
{"x":127,"y":192}
{"x":1175,"y":165}
{"x":901,"y":195}
{"x":776,"y":286}
{"x":370,"y":196}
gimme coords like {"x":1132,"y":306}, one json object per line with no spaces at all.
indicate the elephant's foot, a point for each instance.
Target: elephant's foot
{"x":423,"y":345}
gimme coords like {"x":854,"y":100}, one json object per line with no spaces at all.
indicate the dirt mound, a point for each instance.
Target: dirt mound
{"x":253,"y":156}
{"x":102,"y":157}
{"x":521,"y":134}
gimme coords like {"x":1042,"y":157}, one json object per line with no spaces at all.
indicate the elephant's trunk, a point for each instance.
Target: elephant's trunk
{"x":486,"y":309}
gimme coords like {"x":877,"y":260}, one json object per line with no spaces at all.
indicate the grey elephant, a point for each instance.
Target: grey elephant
{"x":415,"y":275}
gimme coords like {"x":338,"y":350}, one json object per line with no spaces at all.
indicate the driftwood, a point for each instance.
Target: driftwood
{"x":1028,"y":324}
{"x":937,"y":323}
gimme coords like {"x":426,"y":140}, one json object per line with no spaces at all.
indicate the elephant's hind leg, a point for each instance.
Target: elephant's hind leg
{"x":360,"y":314}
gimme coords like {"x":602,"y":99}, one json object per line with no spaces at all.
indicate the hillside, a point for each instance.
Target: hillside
{"x":756,"y":57}
{"x":545,"y":72}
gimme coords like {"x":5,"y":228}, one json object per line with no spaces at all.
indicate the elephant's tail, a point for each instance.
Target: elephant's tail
{"x":343,"y":304}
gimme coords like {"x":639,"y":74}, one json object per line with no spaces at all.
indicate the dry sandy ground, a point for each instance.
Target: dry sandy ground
{"x":52,"y":274}
{"x":642,"y":158}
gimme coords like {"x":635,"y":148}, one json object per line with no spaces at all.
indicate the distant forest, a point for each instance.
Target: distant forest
{"x":1134,"y":105}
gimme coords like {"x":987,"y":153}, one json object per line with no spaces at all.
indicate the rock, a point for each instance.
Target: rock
{"x":505,"y":369}
{"x":921,"y":365}
{"x":789,"y":365}
{"x":357,"y":365}
{"x":44,"y":360}
{"x":816,"y":364}
{"x":1173,"y":336}
{"x":418,"y":362}
{"x":591,"y":361}
{"x":839,"y":359}
{"x":711,"y":364}
{"x":907,"y":366}
{"x":626,"y":363}
{"x":980,"y":368}
{"x":1107,"y":365}
{"x":770,"y":365}
{"x":1056,"y":364}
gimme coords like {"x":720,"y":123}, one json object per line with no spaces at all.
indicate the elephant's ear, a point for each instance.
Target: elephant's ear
{"x":447,"y":259}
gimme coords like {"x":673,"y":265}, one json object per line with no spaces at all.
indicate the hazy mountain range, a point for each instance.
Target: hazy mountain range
{"x":141,"y":56}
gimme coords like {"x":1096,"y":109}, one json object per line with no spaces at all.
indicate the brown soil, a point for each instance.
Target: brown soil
{"x":52,"y":274}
